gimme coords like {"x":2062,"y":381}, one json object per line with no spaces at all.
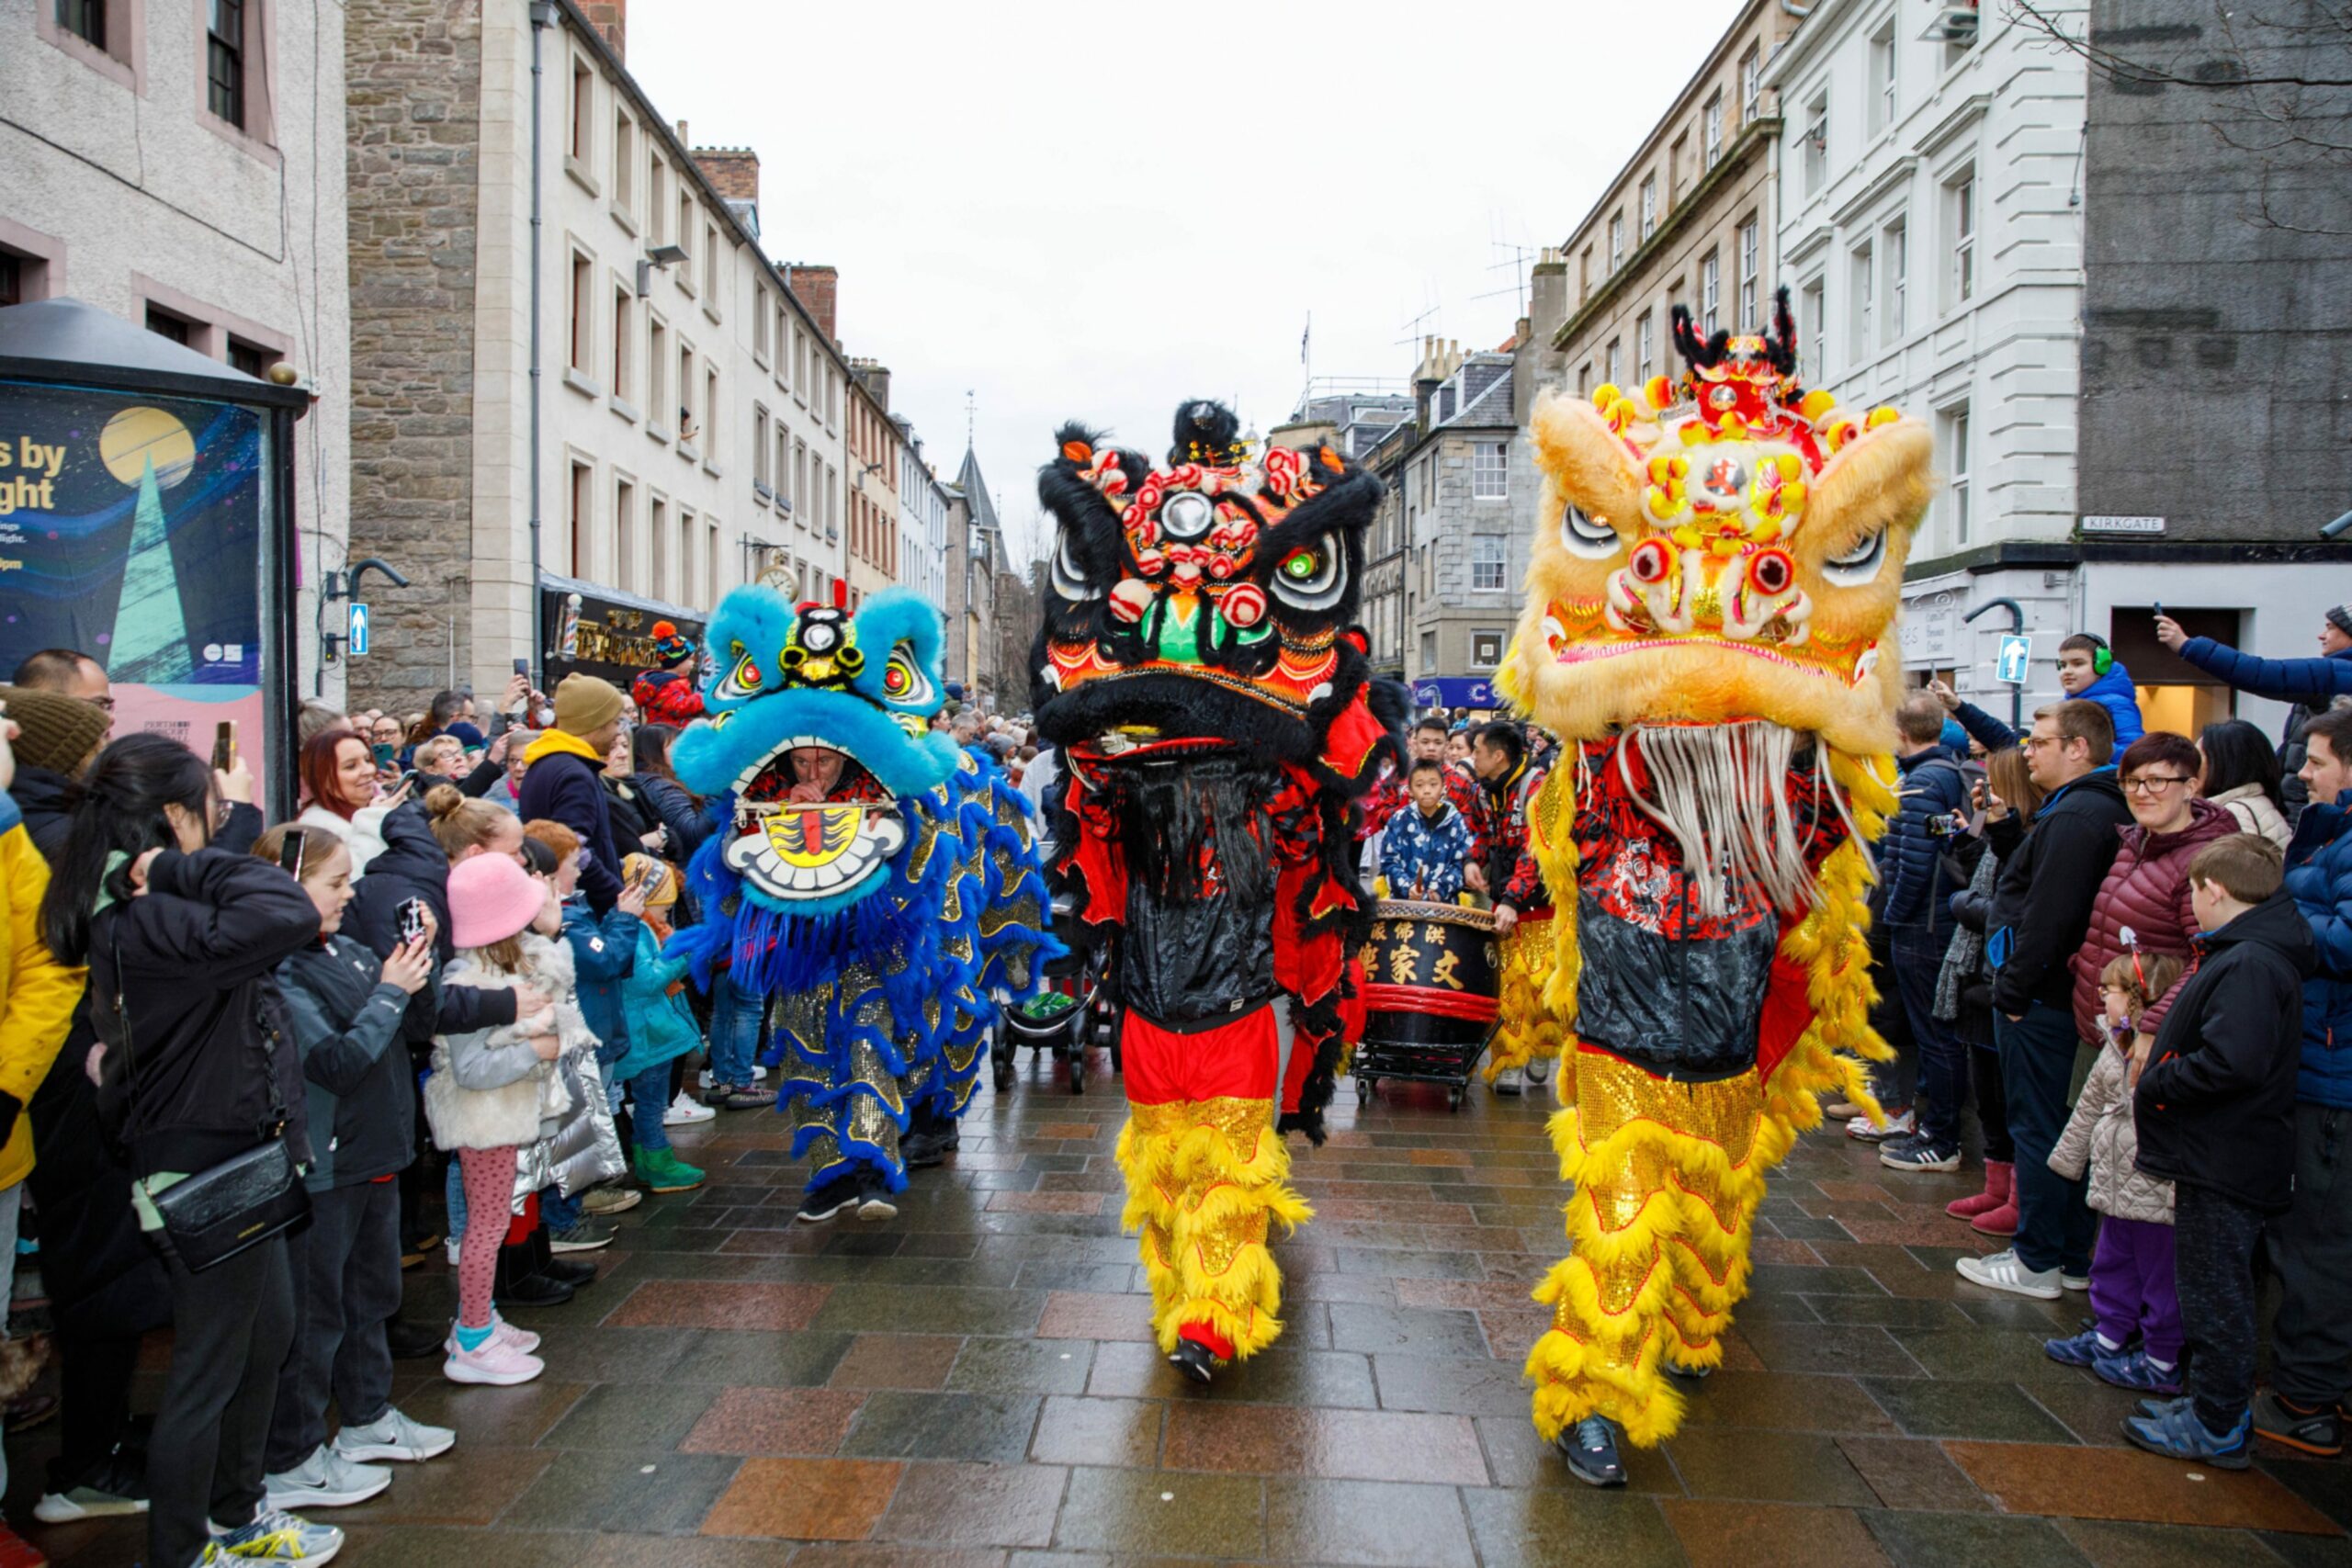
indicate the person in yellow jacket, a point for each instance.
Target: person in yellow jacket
{"x":37,"y":998}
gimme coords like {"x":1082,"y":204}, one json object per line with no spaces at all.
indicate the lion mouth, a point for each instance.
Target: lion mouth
{"x":806,"y":850}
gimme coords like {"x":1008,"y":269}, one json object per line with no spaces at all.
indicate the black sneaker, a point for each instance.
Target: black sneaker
{"x":532,"y":1290}
{"x":1918,"y":1153}
{"x":1686,"y":1374}
{"x":572,"y":1271}
{"x":2312,"y":1431}
{"x":412,"y":1341}
{"x":1195,"y":1359}
{"x":873,"y":1198}
{"x":826,"y":1201}
{"x":739,"y":1097}
{"x":923,"y":1149}
{"x":1591,"y":1448}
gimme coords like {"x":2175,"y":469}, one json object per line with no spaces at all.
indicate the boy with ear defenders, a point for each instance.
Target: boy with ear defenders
{"x":2088,"y":669}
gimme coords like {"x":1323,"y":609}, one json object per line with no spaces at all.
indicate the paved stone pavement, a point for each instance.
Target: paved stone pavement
{"x":970,"y":1386}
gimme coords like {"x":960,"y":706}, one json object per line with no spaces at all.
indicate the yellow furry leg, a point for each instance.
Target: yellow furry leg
{"x":1206,"y":1181}
{"x":1525,"y":1029}
{"x":1666,"y":1183}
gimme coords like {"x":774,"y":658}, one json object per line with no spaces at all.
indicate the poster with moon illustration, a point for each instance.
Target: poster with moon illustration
{"x":131,"y":530}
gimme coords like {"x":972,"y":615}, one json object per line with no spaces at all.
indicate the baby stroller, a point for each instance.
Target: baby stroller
{"x":1072,"y":1015}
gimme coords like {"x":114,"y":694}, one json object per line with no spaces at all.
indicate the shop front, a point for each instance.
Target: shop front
{"x":593,"y":630}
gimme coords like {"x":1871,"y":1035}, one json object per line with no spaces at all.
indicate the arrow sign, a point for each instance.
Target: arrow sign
{"x":2015,"y":653}
{"x":358,"y":629}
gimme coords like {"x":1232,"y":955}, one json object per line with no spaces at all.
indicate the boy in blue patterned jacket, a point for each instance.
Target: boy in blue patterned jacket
{"x":1425,"y":850}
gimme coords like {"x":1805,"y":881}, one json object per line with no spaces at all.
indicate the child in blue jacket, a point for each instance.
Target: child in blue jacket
{"x":2088,"y":670}
{"x":1424,"y":849}
{"x":661,"y":1029}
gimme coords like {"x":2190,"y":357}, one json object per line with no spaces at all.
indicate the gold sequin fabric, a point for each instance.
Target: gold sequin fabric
{"x":1526,"y":1026}
{"x":1667,"y":1179}
{"x":1207,"y":1180}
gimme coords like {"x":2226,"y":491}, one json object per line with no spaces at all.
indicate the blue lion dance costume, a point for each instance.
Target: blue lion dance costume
{"x":882,"y":922}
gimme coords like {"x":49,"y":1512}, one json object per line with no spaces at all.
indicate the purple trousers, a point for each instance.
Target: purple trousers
{"x":2131,"y":1286}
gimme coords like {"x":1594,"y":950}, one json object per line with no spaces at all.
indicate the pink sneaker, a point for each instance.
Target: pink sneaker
{"x":522,"y":1339}
{"x":495,"y":1362}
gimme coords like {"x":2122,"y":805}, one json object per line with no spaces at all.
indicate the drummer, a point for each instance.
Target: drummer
{"x":1426,"y":850}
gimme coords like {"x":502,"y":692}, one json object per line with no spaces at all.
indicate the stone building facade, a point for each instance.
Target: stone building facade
{"x":690,"y":407}
{"x":137,"y":181}
{"x":1463,"y":480}
{"x":1688,"y":220}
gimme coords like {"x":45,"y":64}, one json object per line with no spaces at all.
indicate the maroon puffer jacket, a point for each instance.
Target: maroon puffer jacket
{"x":2147,"y":889}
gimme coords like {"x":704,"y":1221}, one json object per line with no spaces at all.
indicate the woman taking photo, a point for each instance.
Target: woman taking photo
{"x":681,"y":810}
{"x":340,"y":794}
{"x":182,"y":940}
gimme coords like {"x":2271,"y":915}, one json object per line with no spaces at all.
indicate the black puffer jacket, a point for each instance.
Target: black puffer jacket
{"x":347,"y":1025}
{"x":2050,"y":876}
{"x":412,"y":866}
{"x":1916,"y":896}
{"x":2216,"y":1105}
{"x":194,"y":962}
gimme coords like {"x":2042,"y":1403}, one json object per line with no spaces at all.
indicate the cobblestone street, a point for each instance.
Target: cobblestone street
{"x":969,"y":1387}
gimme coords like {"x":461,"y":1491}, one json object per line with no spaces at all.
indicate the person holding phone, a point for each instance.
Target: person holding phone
{"x":184,"y":939}
{"x":347,"y":1009}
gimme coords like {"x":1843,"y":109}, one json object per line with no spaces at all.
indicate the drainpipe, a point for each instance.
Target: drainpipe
{"x":543,"y":15}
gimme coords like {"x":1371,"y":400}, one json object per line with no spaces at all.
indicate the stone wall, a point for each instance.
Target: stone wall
{"x":412,"y":117}
{"x":2218,"y":300}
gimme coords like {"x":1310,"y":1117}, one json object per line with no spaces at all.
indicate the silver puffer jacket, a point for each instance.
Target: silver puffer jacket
{"x":2101,"y":1133}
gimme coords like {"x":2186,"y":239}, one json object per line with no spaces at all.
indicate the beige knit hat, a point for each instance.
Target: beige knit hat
{"x":585,"y":703}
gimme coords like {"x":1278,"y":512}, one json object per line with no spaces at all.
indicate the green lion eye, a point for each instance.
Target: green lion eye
{"x":1301,"y":565}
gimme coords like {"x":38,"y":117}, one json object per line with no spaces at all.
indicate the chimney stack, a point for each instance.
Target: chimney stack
{"x":609,"y":17}
{"x":815,"y":287}
{"x":735,"y":170}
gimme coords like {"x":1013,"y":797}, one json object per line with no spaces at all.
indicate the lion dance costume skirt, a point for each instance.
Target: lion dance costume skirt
{"x":1207,"y":1179}
{"x":1525,"y":1029}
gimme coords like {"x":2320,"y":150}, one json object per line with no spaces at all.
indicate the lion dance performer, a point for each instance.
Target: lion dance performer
{"x":1709,"y":625}
{"x":1212,"y":725}
{"x":875,"y":881}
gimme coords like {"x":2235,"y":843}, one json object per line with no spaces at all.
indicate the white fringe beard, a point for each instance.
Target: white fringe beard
{"x":1720,"y":790}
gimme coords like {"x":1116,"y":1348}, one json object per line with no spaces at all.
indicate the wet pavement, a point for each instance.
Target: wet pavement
{"x":971,"y":1386}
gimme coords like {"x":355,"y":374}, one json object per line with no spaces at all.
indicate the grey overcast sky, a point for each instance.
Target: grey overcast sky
{"x":1094,"y":212}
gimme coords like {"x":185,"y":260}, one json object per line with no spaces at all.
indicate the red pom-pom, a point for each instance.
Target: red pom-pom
{"x":663,"y":630}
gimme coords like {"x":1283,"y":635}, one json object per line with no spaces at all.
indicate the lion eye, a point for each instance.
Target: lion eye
{"x":902,"y":678}
{"x":1584,"y":535}
{"x":1313,"y":577}
{"x":1854,"y":567}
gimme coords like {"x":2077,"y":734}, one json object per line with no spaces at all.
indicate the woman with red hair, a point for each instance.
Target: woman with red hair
{"x":337,"y":769}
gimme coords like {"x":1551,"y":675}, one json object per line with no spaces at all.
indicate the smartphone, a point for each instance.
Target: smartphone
{"x":522,"y":668}
{"x":224,"y":745}
{"x":411,"y":917}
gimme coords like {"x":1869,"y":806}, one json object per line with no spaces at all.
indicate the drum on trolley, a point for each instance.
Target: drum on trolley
{"x":1431,"y":973}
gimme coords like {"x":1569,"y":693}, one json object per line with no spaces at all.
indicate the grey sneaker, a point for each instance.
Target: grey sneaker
{"x":280,"y":1537}
{"x":601,"y":1201}
{"x":1539,"y":1070}
{"x":585,"y":1236}
{"x":114,"y":1487}
{"x":325,"y":1480}
{"x":394,"y":1436}
{"x":1512,"y":1081}
{"x":2002,"y":1271}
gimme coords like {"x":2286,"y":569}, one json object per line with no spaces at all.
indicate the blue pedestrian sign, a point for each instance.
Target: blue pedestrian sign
{"x":358,"y":629}
{"x":2016,"y":652}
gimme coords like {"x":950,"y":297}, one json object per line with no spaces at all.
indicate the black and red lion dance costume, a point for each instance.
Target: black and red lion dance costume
{"x":1214,"y":721}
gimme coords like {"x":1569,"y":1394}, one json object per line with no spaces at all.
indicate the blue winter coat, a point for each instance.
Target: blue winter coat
{"x":1910,"y":858}
{"x":2115,"y":694}
{"x":661,"y":1027}
{"x":2308,"y":682}
{"x":603,"y":951}
{"x":1424,"y":858}
{"x":2318,"y":875}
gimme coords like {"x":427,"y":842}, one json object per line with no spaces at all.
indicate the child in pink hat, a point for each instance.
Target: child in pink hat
{"x":491,"y":1089}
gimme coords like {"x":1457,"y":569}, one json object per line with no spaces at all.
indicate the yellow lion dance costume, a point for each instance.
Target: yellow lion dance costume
{"x":1708,"y":630}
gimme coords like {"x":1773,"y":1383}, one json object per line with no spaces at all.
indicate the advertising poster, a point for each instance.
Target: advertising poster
{"x":131,"y":530}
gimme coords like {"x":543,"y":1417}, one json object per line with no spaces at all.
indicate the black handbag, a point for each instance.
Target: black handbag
{"x":213,"y":1215}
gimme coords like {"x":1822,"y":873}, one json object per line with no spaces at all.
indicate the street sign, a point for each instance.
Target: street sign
{"x":2098,"y":524}
{"x":2016,"y":652}
{"x":358,"y":629}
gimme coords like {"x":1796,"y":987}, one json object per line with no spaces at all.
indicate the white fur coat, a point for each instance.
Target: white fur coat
{"x":488,"y":1090}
